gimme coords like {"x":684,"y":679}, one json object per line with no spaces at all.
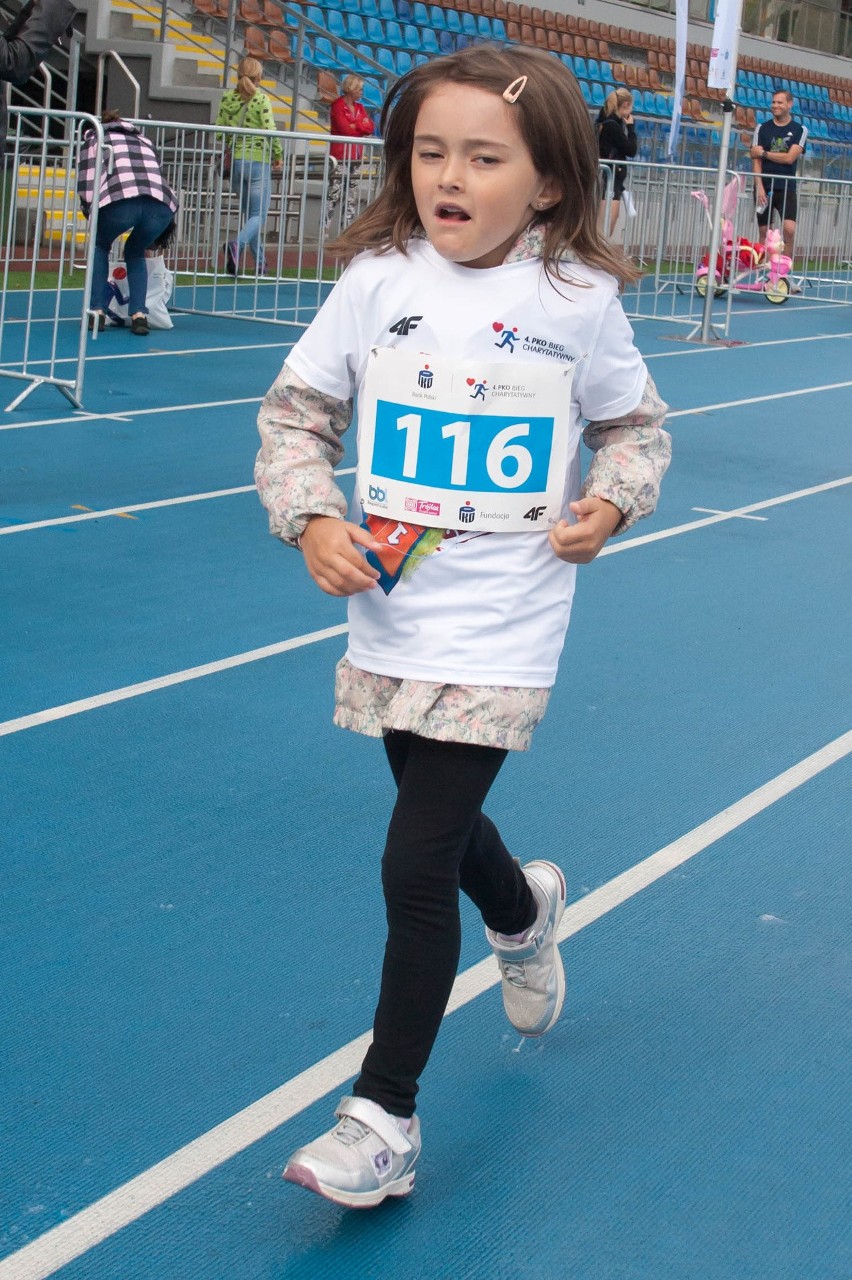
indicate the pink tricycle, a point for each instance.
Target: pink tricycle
{"x":740,"y":264}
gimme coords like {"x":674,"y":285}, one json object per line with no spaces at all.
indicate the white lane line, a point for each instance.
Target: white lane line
{"x":778,"y":395}
{"x":749,"y":346}
{"x":675,"y":413}
{"x":67,"y":709}
{"x":713,"y":511}
{"x":614,"y":547}
{"x":141,"y":506}
{"x":83,"y":417}
{"x":165,"y":682}
{"x":149,"y":352}
{"x":132,"y":1200}
{"x":77,"y":418}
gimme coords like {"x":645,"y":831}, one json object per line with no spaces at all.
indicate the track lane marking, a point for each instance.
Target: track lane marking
{"x":63,"y":711}
{"x":137,"y":1197}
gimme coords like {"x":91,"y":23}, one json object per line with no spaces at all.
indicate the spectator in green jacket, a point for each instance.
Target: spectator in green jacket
{"x":254,"y":160}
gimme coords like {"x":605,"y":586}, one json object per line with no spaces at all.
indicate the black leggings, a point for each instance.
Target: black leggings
{"x":438,"y":841}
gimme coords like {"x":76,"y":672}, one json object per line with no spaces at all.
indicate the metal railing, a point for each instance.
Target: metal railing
{"x":43,"y":311}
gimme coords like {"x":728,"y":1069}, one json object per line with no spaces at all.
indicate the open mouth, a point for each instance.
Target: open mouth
{"x":451,"y":213}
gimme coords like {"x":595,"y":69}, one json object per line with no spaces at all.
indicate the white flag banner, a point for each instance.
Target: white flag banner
{"x":680,"y":75}
{"x":723,"y":51}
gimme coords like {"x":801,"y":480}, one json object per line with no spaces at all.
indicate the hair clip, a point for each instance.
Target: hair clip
{"x":515,"y":89}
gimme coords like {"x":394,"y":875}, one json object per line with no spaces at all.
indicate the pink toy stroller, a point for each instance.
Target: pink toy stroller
{"x":741,"y":265}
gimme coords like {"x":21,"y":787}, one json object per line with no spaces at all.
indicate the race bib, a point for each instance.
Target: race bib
{"x":464,"y":444}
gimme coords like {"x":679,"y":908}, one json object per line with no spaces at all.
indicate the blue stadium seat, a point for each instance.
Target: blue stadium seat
{"x":586,"y":91}
{"x":429,"y":42}
{"x":420,"y":59}
{"x":371,"y":95}
{"x":384,"y":57}
{"x":365,"y":51}
{"x":346,"y":59}
{"x":462,"y":40}
{"x":350,"y":6}
{"x":662,"y":104}
{"x":453,"y":20}
{"x":315,"y":14}
{"x":420,"y":14}
{"x":411,"y":37}
{"x":437,"y":18}
{"x":369,"y":9}
{"x":336,"y":24}
{"x":355,"y":28}
{"x":403,"y":10}
{"x":593,"y":70}
{"x":498,"y":30}
{"x":598,"y":94}
{"x":580,"y":68}
{"x":387,"y":10}
{"x":404,"y":62}
{"x":483,"y":27}
{"x":468,"y":24}
{"x":375,"y":31}
{"x":606,"y":72}
{"x":393,"y":35}
{"x":324,"y":54}
{"x":446,"y":41}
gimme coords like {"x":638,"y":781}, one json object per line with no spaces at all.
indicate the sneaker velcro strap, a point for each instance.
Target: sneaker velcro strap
{"x":514,"y":952}
{"x":377,"y":1119}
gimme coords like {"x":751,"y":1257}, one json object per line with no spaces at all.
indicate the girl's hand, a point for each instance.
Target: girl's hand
{"x":329,"y":547}
{"x":579,"y":543}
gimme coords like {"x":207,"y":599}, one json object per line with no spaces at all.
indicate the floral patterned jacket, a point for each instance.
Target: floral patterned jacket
{"x":301,"y":431}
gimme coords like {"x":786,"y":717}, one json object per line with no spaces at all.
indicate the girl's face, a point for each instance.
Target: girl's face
{"x":473,"y":178}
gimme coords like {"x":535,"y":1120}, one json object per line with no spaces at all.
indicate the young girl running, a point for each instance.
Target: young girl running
{"x":479,"y":325}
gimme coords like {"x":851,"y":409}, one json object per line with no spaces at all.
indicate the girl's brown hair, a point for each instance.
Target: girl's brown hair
{"x":554,"y":123}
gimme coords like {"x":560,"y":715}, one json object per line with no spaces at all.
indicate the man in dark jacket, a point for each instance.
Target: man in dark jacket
{"x":26,"y":42}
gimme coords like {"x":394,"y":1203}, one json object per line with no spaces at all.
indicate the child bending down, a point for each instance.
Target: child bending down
{"x":458,"y":551}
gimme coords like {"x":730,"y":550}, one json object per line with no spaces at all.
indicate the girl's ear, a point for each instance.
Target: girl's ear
{"x":549,"y":195}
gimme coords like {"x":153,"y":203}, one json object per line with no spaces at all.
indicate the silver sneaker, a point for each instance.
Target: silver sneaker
{"x":533,"y":976}
{"x":361,"y":1160}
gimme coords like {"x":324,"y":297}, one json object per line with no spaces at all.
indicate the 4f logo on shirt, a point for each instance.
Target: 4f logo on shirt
{"x":534,"y":514}
{"x":404,"y":326}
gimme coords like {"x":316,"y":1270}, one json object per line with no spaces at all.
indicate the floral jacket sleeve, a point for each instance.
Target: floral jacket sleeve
{"x":300,"y":432}
{"x":631,"y":455}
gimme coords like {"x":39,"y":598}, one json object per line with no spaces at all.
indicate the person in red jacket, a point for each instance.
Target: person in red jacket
{"x":349,"y":119}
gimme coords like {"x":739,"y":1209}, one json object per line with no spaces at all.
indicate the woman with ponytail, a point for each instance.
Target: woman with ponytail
{"x":254,"y":160}
{"x":616,"y":141}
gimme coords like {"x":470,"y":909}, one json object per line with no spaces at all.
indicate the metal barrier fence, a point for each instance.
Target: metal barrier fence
{"x":40,"y":303}
{"x":43,"y":330}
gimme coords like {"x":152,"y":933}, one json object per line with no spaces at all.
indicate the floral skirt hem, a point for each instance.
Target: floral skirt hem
{"x":482,"y":715}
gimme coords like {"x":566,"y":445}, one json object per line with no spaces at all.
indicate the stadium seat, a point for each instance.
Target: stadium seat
{"x":404,"y":62}
{"x":385,"y":59}
{"x":355,"y":29}
{"x":279,"y":46}
{"x":453,"y":21}
{"x":598,"y":94}
{"x":324,"y":54}
{"x":446,"y":42}
{"x":403,"y":10}
{"x":429,"y":42}
{"x":393,"y":35}
{"x":437,"y":18}
{"x":255,"y":43}
{"x":411,"y":37}
{"x":387,"y":11}
{"x":375,"y":31}
{"x":336,"y":24}
{"x":468,"y":24}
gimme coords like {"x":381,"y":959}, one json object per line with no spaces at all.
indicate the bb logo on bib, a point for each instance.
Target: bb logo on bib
{"x":484,"y":448}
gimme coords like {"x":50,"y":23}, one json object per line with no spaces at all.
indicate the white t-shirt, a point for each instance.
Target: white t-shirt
{"x":486,"y":609}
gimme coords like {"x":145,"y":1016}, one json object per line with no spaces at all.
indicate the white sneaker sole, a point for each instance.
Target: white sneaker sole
{"x":303,"y":1177}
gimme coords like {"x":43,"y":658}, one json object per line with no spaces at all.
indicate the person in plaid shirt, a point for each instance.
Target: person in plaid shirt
{"x":133,"y":196}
